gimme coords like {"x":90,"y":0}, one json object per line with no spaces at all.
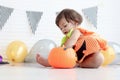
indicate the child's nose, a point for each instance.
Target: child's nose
{"x":64,"y":30}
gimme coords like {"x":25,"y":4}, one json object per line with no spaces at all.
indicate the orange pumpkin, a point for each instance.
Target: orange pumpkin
{"x":61,"y":57}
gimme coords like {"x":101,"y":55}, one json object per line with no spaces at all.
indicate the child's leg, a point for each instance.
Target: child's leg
{"x":92,"y":61}
{"x":42,"y":61}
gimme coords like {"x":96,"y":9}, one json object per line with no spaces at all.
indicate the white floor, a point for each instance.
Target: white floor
{"x":33,"y":71}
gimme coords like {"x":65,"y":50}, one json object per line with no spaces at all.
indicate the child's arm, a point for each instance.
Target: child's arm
{"x":73,"y":39}
{"x":66,"y":37}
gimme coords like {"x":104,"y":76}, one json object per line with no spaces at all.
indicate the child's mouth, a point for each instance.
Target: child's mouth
{"x":65,"y":32}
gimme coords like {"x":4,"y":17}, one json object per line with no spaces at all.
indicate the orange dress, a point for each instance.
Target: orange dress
{"x":88,"y":43}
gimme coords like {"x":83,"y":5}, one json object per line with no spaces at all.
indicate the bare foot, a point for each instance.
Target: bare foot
{"x":42,"y":61}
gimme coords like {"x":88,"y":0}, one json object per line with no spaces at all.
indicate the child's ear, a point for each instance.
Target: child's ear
{"x":75,"y":22}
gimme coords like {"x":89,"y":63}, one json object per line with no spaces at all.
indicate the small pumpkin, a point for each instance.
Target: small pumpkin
{"x":61,"y":57}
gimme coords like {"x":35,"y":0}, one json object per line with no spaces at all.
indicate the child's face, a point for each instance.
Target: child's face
{"x":65,"y":26}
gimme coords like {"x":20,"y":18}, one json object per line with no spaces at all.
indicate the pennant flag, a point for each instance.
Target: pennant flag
{"x":33,"y":19}
{"x":4,"y":15}
{"x":91,"y":15}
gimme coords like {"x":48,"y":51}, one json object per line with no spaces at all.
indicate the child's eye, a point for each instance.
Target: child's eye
{"x":65,"y":25}
{"x":61,"y":28}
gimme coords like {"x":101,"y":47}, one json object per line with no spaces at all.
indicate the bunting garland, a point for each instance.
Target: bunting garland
{"x":4,"y":15}
{"x":91,"y":15}
{"x":33,"y":19}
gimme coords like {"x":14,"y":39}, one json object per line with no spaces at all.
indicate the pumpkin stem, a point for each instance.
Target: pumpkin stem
{"x":65,"y":48}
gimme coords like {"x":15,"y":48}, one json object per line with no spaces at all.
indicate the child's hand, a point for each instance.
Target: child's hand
{"x":66,"y":37}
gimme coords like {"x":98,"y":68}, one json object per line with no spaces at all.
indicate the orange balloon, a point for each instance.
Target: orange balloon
{"x":109,"y":55}
{"x":16,"y":51}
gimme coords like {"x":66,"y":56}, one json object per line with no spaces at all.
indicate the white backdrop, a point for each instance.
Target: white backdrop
{"x":17,"y":27}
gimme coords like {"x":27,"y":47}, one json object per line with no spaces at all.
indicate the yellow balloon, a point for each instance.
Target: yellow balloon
{"x":16,"y":51}
{"x":109,"y":55}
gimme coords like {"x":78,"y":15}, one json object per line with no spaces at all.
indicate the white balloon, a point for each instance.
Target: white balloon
{"x":41,"y":47}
